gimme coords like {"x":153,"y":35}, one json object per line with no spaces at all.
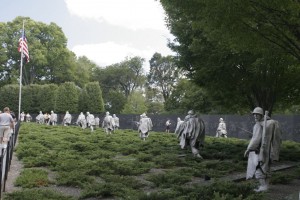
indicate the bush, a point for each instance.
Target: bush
{"x":30,"y":178}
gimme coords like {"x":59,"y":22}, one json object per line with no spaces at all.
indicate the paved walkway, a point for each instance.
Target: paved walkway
{"x":276,"y":167}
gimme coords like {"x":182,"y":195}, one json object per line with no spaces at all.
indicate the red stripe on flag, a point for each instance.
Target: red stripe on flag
{"x":23,"y":47}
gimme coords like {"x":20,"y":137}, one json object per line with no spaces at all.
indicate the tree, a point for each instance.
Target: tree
{"x":115,"y":102}
{"x":37,"y":98}
{"x":67,"y":98}
{"x":154,"y":101}
{"x":108,"y":79}
{"x":125,"y":76}
{"x":47,"y":94}
{"x":131,"y":74}
{"x":135,"y":104}
{"x":10,"y":97}
{"x":83,"y":71}
{"x":163,"y":74}
{"x":236,"y":49}
{"x":188,"y":96}
{"x":118,"y":81}
{"x":93,"y":98}
{"x":50,"y":60}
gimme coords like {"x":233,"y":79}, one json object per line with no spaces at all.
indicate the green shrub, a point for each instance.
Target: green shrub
{"x":36,"y":194}
{"x":30,"y":178}
{"x":120,"y":165}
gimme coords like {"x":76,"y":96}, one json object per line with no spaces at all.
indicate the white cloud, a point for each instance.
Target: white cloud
{"x":108,"y":53}
{"x":133,"y":14}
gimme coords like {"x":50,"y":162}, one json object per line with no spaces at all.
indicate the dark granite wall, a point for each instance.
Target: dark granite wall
{"x":238,"y":126}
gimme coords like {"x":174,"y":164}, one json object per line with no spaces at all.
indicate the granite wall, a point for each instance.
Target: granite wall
{"x":238,"y":126}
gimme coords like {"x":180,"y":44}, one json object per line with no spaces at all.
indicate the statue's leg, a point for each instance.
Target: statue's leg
{"x":182,"y":142}
{"x":217,"y":134}
{"x":263,"y":180}
{"x":195,"y":151}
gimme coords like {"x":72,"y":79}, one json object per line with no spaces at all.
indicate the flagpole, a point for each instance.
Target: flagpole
{"x":20,"y":86}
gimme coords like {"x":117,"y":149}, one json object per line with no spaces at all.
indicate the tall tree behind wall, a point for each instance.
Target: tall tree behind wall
{"x":9,"y":97}
{"x":121,"y":79}
{"x":67,"y":98}
{"x":244,"y":53}
{"x":94,"y":102}
{"x":164,"y":74}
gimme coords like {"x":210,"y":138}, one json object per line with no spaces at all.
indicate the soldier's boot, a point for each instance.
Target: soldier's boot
{"x":198,"y":156}
{"x":264,"y":185}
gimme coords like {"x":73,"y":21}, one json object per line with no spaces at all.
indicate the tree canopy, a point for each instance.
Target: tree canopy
{"x":243,"y":53}
{"x":50,"y":59}
{"x":163,"y":74}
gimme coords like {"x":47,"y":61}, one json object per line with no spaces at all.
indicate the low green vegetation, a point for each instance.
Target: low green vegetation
{"x":121,"y":166}
{"x":31,"y":178}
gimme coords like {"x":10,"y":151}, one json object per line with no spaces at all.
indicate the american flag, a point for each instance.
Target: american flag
{"x":23,"y":48}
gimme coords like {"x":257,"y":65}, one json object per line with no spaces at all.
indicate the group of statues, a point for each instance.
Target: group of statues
{"x":88,"y":121}
{"x":109,"y":123}
{"x":49,"y":119}
{"x":25,"y":117}
{"x":262,"y":151}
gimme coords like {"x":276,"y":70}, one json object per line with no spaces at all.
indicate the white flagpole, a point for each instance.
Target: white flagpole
{"x":20,"y":86}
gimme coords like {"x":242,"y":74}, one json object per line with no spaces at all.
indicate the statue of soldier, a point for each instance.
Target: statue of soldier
{"x":90,"y":120}
{"x":81,"y":121}
{"x":108,"y":123}
{"x":263,"y":148}
{"x":145,"y":126}
{"x":53,"y":118}
{"x":22,"y":116}
{"x":191,"y":132}
{"x":40,"y":118}
{"x":67,"y":119}
{"x":221,"y":130}
{"x":97,"y":122}
{"x":117,"y":122}
{"x":28,"y":117}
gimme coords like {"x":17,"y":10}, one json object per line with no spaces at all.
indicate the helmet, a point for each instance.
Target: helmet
{"x":191,"y":112}
{"x":258,"y":110}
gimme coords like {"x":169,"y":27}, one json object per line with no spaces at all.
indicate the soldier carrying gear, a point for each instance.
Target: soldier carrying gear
{"x":263,"y":148}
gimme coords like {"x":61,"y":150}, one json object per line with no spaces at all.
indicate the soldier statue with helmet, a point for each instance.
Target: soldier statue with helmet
{"x":191,"y":132}
{"x":263,"y":148}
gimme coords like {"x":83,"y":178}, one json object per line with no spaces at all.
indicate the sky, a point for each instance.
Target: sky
{"x":105,"y":31}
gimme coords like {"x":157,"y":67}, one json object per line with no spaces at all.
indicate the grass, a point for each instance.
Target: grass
{"x":121,"y":166}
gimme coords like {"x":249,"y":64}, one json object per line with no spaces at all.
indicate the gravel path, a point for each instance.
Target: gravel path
{"x":14,"y":171}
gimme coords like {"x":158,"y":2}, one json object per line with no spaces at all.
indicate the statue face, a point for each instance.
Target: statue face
{"x":257,"y":117}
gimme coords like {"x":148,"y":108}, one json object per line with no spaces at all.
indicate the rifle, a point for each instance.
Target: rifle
{"x":262,"y":156}
{"x":245,"y":130}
